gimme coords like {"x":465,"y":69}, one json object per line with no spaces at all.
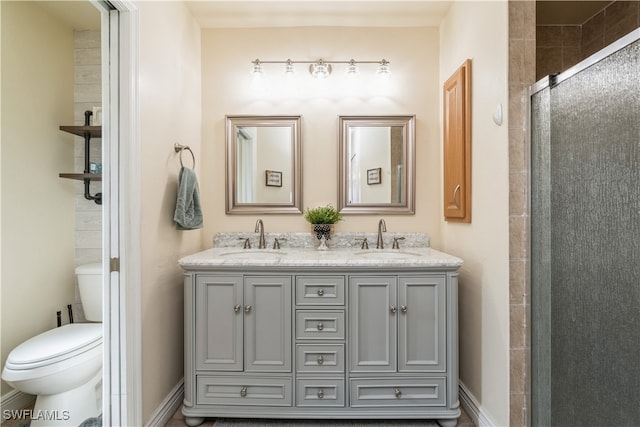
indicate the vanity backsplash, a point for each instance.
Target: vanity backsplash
{"x":340,"y":240}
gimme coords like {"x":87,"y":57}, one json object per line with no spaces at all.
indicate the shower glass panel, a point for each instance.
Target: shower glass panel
{"x":585,"y":237}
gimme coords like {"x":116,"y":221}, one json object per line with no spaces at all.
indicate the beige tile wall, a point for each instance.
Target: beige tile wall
{"x":561,"y":46}
{"x":87,"y":94}
{"x":522,"y":68}
{"x":558,"y":47}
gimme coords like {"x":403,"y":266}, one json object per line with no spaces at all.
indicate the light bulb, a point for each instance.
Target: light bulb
{"x":256,"y":70}
{"x":289,"y":70}
{"x":320,"y":70}
{"x":383,"y":68}
{"x":352,"y":68}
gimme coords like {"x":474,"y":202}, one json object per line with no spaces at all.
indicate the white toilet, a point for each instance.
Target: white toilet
{"x":63,"y":366}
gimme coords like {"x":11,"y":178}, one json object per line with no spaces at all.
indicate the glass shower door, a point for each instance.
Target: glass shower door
{"x":585,"y":233}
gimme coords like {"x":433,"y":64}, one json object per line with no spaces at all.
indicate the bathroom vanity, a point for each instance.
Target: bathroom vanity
{"x":301,"y":333}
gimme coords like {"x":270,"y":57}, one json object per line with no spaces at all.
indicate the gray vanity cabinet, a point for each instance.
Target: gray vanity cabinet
{"x":281,"y":342}
{"x":243,"y":324}
{"x":397,"y":324}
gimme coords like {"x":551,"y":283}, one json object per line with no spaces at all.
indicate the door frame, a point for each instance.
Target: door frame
{"x":122,"y":380}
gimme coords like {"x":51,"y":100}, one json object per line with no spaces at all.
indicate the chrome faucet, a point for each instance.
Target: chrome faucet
{"x":260,"y":229}
{"x":382,"y":226}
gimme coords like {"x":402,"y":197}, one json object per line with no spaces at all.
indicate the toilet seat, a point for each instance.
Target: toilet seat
{"x":55,"y":346}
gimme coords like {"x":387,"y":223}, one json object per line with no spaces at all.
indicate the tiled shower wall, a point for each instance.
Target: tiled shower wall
{"x":559,"y":47}
{"x":522,"y":69}
{"x":87,"y":95}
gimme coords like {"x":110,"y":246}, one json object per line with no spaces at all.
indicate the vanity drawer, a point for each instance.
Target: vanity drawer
{"x":314,"y":290}
{"x":316,"y":358}
{"x":398,"y":392}
{"x":260,"y":391}
{"x":320,"y":392}
{"x":319,"y":325}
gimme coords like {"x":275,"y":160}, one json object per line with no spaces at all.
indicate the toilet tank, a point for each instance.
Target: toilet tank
{"x":90,"y":285}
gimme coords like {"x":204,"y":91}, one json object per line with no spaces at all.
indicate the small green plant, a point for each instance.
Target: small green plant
{"x":322,"y":215}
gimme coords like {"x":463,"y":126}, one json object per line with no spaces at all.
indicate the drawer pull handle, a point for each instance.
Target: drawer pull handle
{"x":393,"y":309}
{"x":320,"y":360}
{"x":243,"y":392}
{"x":320,"y":394}
{"x":236,"y":308}
{"x":247,"y":309}
{"x":320,"y":292}
{"x":398,"y":392}
{"x":320,"y":326}
{"x":403,"y":308}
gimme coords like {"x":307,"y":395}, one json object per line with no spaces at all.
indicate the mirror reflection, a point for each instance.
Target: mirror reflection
{"x":376,"y":164}
{"x":263,"y":173}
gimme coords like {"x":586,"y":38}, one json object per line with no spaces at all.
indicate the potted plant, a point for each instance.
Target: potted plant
{"x":322,"y":220}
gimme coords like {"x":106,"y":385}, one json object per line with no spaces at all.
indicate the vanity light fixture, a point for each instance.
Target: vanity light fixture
{"x":321,"y":69}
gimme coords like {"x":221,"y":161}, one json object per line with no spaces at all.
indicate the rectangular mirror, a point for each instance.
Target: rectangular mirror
{"x":263,"y":164}
{"x":377,"y":165}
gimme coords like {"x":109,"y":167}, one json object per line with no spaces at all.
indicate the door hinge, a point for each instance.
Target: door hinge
{"x":114,"y":264}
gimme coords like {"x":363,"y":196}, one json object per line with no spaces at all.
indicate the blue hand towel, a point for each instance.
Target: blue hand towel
{"x":188,"y":214}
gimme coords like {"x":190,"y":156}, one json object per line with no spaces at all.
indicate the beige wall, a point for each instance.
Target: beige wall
{"x":170,"y":111}
{"x":229,"y":89}
{"x":479,"y":30}
{"x":37,"y":206}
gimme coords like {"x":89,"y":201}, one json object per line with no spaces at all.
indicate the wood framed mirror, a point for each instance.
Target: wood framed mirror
{"x":377,"y":164}
{"x":263,"y":167}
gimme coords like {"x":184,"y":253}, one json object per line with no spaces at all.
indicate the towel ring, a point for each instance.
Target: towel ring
{"x":180,"y":148}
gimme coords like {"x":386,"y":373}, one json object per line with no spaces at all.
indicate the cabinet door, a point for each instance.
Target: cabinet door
{"x":267,"y":316}
{"x":372,"y":324}
{"x":219,"y":323}
{"x":421,"y":323}
{"x":457,"y":145}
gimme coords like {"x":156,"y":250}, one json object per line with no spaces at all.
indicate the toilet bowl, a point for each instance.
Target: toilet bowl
{"x":63,"y":366}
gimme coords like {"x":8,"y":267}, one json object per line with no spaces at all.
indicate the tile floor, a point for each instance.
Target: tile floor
{"x":178,"y":420}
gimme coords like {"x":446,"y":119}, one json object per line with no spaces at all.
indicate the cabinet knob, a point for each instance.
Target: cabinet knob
{"x":320,"y":292}
{"x":243,"y":392}
{"x":236,"y":308}
{"x":320,"y":326}
{"x":398,"y":392}
{"x":403,"y":308}
{"x":320,"y":394}
{"x":247,"y":308}
{"x":393,"y":309}
{"x":320,"y":360}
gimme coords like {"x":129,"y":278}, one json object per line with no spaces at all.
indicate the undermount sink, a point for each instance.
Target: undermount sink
{"x":391,"y":254}
{"x":253,"y":253}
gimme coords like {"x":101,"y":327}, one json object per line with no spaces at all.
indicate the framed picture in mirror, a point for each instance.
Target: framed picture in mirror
{"x":273,"y":178}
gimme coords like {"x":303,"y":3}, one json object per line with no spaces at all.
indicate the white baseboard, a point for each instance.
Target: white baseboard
{"x":167,"y":407}
{"x":16,"y":400}
{"x":472,"y":407}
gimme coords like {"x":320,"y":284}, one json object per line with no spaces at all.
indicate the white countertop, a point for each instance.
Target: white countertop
{"x":229,"y":257}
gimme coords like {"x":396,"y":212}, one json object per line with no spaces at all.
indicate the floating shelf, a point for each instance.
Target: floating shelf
{"x":82,"y":176}
{"x":91,"y":131}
